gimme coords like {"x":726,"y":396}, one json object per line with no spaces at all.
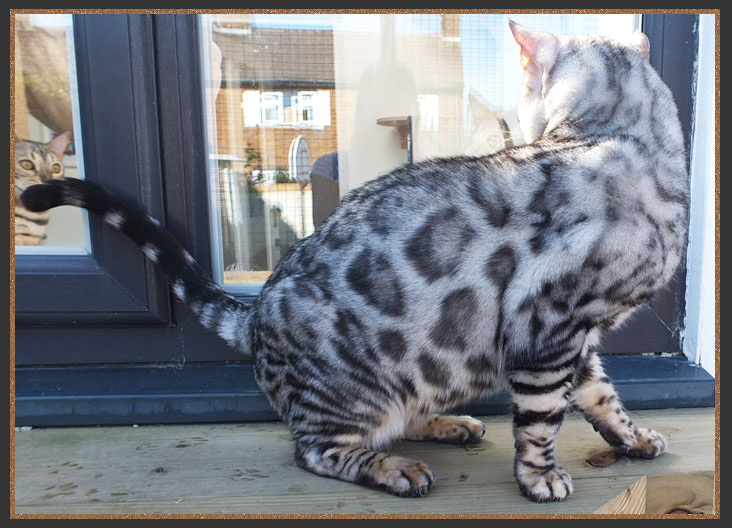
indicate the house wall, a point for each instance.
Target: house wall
{"x":272,"y":143}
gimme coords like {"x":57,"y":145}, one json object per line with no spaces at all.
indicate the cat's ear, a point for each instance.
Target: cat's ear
{"x":538,"y":49}
{"x":639,"y":42}
{"x":58,"y":144}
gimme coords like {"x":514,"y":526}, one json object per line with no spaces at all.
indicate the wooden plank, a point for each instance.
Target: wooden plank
{"x":631,"y":502}
{"x":680,"y":493}
{"x":249,"y":468}
{"x":666,"y":494}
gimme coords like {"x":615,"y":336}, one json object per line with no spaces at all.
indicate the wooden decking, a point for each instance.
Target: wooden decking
{"x":249,"y":468}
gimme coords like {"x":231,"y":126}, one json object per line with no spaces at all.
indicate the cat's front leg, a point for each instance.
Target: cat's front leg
{"x":595,"y":396}
{"x":539,"y":404}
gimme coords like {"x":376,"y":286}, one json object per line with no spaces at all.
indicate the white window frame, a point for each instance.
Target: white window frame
{"x":699,"y":340}
{"x":266,"y":103}
{"x":312,"y":98}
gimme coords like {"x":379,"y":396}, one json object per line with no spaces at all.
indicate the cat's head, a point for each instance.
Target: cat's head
{"x":36,"y":162}
{"x":567,"y":77}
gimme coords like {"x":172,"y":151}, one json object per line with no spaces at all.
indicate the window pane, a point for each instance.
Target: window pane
{"x":302,"y":109}
{"x":48,"y":140}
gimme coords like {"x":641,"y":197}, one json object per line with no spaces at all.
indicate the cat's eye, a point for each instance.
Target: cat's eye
{"x":27,"y":165}
{"x":56,"y":168}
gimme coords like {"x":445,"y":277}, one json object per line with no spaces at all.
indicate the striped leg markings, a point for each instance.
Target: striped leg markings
{"x":595,"y":396}
{"x":539,"y":404}
{"x":352,"y":463}
{"x":448,"y":429}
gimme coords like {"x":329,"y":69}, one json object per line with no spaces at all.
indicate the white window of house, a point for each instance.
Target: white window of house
{"x":273,"y":111}
{"x":306,"y":104}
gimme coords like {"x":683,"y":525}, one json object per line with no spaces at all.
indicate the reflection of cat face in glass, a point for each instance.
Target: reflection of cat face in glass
{"x":56,"y":168}
{"x":37,"y":161}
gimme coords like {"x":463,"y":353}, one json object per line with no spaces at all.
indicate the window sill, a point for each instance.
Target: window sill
{"x":226,"y":392}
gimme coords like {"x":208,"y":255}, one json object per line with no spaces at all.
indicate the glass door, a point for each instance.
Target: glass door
{"x":301,"y":109}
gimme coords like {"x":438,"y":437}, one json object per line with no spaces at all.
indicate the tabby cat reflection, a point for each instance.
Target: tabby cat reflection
{"x":35,"y":162}
{"x":453,"y":278}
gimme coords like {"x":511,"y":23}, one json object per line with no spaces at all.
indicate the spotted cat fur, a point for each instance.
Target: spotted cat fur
{"x":453,"y":278}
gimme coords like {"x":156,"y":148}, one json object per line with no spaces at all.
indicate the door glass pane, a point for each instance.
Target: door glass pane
{"x":302,"y":109}
{"x":47,"y":136}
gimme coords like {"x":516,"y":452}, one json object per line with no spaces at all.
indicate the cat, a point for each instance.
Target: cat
{"x":491,"y":131}
{"x":453,"y":278}
{"x":35,"y":162}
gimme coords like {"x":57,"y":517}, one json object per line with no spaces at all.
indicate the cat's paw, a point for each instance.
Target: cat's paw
{"x":450,"y":429}
{"x":401,"y":476}
{"x":459,"y":430}
{"x":540,"y":485}
{"x":648,"y":444}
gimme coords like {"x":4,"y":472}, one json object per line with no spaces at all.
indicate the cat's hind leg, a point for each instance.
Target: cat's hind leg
{"x":539,"y":404}
{"x":448,"y":429}
{"x":351,"y":462}
{"x":595,"y":396}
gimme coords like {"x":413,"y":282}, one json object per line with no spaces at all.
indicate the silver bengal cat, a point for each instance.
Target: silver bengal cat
{"x":452,"y":278}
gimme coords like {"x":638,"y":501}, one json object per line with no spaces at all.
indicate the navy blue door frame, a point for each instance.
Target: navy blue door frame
{"x":99,"y":339}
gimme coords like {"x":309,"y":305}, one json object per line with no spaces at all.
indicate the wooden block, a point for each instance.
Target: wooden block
{"x":631,"y":501}
{"x":691,"y":493}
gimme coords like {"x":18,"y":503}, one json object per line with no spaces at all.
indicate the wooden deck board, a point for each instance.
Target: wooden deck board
{"x":249,"y":468}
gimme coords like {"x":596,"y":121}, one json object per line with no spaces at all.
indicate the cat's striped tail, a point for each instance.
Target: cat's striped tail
{"x":216,"y":309}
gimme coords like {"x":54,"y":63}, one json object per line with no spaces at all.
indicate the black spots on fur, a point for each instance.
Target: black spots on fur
{"x":347,"y":324}
{"x":392,"y":343}
{"x":481,"y":370}
{"x":594,"y":262}
{"x":351,"y":342}
{"x":284,"y":306}
{"x":605,"y":400}
{"x":496,"y":209}
{"x":315,"y":277}
{"x":501,"y":266}
{"x":437,"y":248}
{"x":457,"y":315}
{"x":479,"y":364}
{"x":613,"y":203}
{"x":371,"y":275}
{"x":583,"y":373}
{"x":585,"y":298}
{"x":380,"y":215}
{"x":406,"y":388}
{"x":668,"y":195}
{"x":338,"y":237}
{"x":433,"y":371}
{"x":536,"y":325}
{"x":546,"y":202}
{"x":537,"y":242}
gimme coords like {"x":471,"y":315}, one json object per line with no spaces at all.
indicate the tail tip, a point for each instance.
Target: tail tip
{"x":53,"y":193}
{"x":41,"y":197}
